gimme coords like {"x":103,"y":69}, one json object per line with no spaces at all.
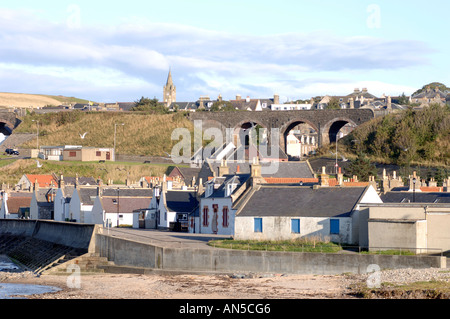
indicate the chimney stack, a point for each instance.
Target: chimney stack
{"x":276,"y":99}
{"x":340,"y":178}
{"x":61,"y":181}
{"x":223,"y":168}
{"x":446,"y":185}
{"x":324,"y":178}
{"x":352,"y":103}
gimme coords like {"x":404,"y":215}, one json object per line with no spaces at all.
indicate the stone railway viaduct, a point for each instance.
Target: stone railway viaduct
{"x":326,"y":122}
{"x":8,"y":122}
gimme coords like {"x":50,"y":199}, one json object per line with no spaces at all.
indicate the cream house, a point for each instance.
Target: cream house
{"x":285,"y":212}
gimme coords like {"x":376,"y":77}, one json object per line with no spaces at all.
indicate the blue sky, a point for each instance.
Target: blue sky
{"x":119,"y":51}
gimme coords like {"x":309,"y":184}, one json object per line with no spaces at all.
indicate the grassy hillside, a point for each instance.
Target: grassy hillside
{"x":405,"y":138}
{"x":117,"y":172}
{"x":26,"y":100}
{"x":141,"y":134}
{"x":36,"y":100}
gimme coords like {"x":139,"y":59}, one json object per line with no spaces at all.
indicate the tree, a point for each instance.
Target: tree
{"x":144,"y":104}
{"x":403,"y":99}
{"x":224,"y":106}
{"x":333,"y":103}
{"x":361,"y":167}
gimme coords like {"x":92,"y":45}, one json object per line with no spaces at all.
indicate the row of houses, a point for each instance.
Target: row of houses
{"x":75,"y":199}
{"x":245,"y":204}
{"x":243,"y":201}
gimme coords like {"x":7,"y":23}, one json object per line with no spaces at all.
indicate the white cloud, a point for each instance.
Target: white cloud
{"x":138,"y":54}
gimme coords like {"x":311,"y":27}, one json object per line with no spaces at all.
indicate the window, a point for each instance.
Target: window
{"x":295,"y":226}
{"x":225,"y":216}
{"x":258,"y":225}
{"x":72,"y":154}
{"x":205,"y":216}
{"x":98,"y":153}
{"x":334,"y":226}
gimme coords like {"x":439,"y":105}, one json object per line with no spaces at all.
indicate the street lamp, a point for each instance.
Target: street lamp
{"x":37,"y":141}
{"x":115,"y":125}
{"x":337,"y":138}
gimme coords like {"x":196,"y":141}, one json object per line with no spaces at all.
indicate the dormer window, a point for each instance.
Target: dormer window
{"x":230,"y":189}
{"x":209,"y":189}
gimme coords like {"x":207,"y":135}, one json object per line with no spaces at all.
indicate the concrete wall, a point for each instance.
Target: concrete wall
{"x":68,"y":234}
{"x":417,"y":226}
{"x":17,"y":227}
{"x":133,"y":254}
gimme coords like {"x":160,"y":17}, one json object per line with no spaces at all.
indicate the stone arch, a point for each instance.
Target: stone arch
{"x":331,"y":129}
{"x":242,"y":129}
{"x":286,"y":128}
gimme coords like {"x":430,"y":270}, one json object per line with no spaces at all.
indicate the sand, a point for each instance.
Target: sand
{"x":185,"y":286}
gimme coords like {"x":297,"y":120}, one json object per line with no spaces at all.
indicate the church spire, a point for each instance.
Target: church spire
{"x":170,"y":91}
{"x":169,"y":78}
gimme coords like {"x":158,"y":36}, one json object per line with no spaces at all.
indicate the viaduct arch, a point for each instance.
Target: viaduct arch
{"x":8,"y":122}
{"x":327,"y":123}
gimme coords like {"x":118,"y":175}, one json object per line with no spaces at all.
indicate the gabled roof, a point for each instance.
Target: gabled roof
{"x":16,"y":201}
{"x":181,"y":201}
{"x":87,"y":194}
{"x":42,"y":180}
{"x":127,"y":192}
{"x":186,"y":173}
{"x":293,"y":169}
{"x":123,"y":205}
{"x":45,"y":196}
{"x":223,"y":181}
{"x":296,"y":201}
{"x":84,"y":181}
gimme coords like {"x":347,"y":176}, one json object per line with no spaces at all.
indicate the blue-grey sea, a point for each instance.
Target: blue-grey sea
{"x":11,"y":290}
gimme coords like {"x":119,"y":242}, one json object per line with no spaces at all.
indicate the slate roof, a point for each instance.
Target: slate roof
{"x":187,"y":173}
{"x":127,"y":192}
{"x":87,"y":194}
{"x":83,"y":181}
{"x":16,"y":201}
{"x":225,"y":180}
{"x":295,"y":201}
{"x":420,"y":197}
{"x":43,"y":196}
{"x":124,"y":204}
{"x":181,"y":201}
{"x":293,"y":169}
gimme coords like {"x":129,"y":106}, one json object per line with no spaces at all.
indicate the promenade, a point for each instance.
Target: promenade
{"x":163,"y":238}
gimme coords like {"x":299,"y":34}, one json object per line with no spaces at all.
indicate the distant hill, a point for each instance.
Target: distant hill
{"x":21,"y":100}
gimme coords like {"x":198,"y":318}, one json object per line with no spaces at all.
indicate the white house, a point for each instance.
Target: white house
{"x":81,"y":204}
{"x":114,"y":207}
{"x":62,"y":203}
{"x":14,"y":204}
{"x":175,"y":206}
{"x":216,"y":212}
{"x":276,"y":212}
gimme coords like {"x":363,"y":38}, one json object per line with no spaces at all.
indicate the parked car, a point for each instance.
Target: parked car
{"x":11,"y":151}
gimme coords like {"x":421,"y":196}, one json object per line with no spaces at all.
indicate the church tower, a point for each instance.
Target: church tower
{"x":170,"y":91}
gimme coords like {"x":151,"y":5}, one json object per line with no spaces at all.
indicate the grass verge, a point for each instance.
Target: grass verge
{"x":303,"y":245}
